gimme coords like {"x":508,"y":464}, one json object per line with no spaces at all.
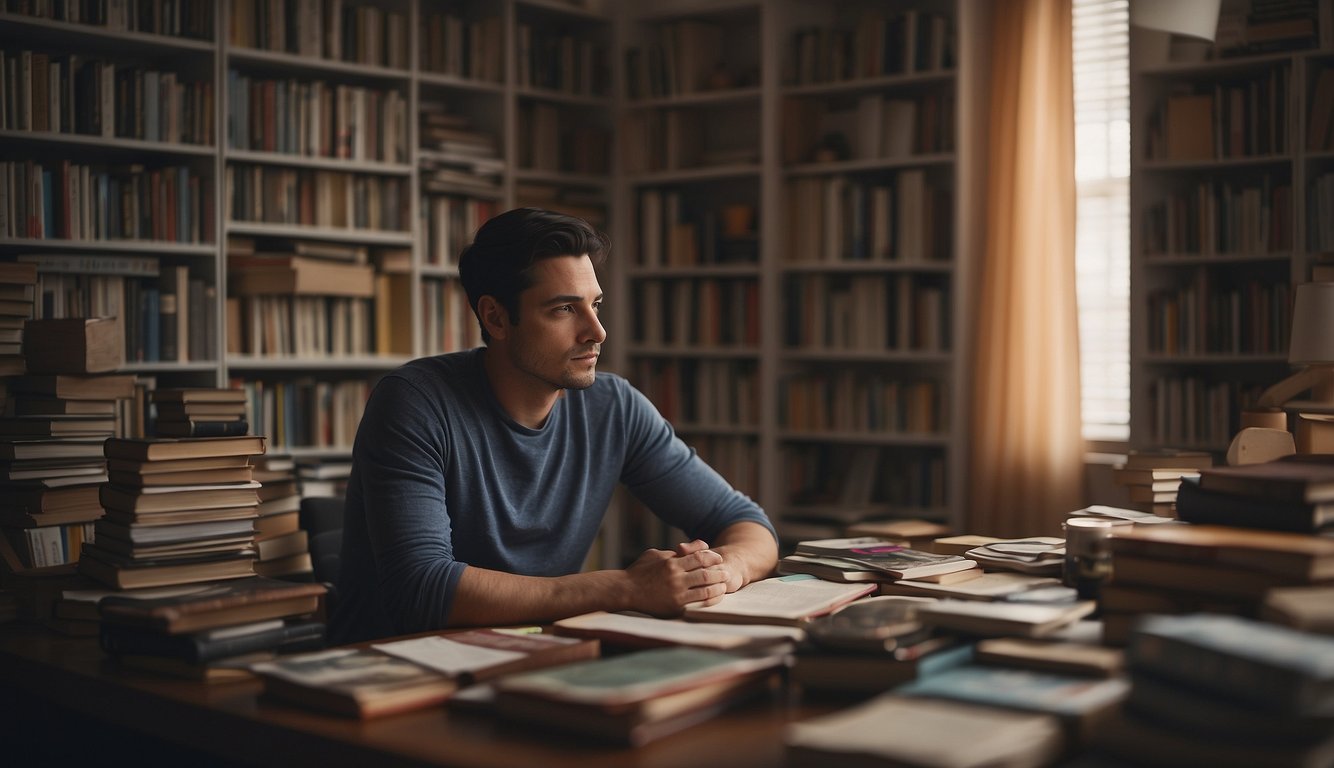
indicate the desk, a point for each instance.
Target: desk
{"x":235,"y":724}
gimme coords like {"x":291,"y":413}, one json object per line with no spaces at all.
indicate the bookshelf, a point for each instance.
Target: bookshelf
{"x":808,"y":353}
{"x":1226,"y":217}
{"x":368,"y":139}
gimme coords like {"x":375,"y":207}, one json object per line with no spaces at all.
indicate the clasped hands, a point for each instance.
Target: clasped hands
{"x":689,"y":574}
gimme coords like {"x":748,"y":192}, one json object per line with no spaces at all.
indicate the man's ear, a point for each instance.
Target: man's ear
{"x":494,"y":316}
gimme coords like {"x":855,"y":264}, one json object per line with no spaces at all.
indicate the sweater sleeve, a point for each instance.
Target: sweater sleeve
{"x":671,"y":479}
{"x":400,"y":463}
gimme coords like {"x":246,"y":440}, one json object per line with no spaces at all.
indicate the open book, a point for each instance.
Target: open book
{"x":791,"y":600}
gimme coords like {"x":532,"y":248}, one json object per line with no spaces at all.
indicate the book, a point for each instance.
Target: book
{"x":1124,"y":475}
{"x":164,"y":448}
{"x":871,"y":625}
{"x":210,"y":644}
{"x":1276,"y":668}
{"x":633,"y":631}
{"x":1209,"y":717}
{"x":1125,"y":736}
{"x":1069,"y":658}
{"x":1003,"y":617}
{"x":123,"y":573}
{"x":1302,"y":557}
{"x":204,"y":530}
{"x":354,"y":682}
{"x":1078,"y":701}
{"x":216,"y":605}
{"x":476,"y":655}
{"x":822,"y":670}
{"x":1310,"y":609}
{"x":70,"y":387}
{"x":1203,"y":578}
{"x":299,"y":275}
{"x":635,"y":697}
{"x":232,"y":669}
{"x":958,"y":545}
{"x":1168,"y":458}
{"x":181,"y":395}
{"x":73,"y":345}
{"x":1196,"y":505}
{"x":172,"y":466}
{"x":1292,"y":482}
{"x":999,"y":585}
{"x":56,"y":426}
{"x":924,"y":732}
{"x":895,"y":560}
{"x":1039,"y":555}
{"x":30,"y":449}
{"x":1104,"y":512}
{"x":789,"y":600}
{"x":179,"y":497}
{"x":212,"y":476}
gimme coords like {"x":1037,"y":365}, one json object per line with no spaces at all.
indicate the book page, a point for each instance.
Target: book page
{"x":681,"y":632}
{"x":445,"y":655}
{"x":789,"y":597}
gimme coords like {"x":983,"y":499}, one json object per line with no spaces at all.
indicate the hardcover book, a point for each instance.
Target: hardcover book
{"x":1078,"y":700}
{"x":1272,"y":667}
{"x":897,"y":561}
{"x":211,"y":645}
{"x":156,"y":448}
{"x":218,"y":605}
{"x":635,"y":697}
{"x":354,"y":682}
{"x":896,"y":730}
{"x":1003,"y":618}
{"x":483,"y":654}
{"x":1300,"y":556}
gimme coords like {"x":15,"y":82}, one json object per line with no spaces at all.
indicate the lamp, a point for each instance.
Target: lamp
{"x":1264,"y":427}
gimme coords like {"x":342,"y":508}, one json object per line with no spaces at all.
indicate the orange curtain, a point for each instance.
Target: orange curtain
{"x":1027,"y":451}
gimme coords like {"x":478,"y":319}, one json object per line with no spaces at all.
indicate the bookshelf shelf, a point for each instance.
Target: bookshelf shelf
{"x":868,"y":266}
{"x":560,"y":97}
{"x":291,"y":63}
{"x":860,"y":84}
{"x":333,"y":363}
{"x":458,"y":83}
{"x":1221,"y":164}
{"x":859,"y":166}
{"x":12,"y":244}
{"x":43,"y":30}
{"x":1197,"y":259}
{"x":702,"y":352}
{"x":694,"y":175}
{"x":702,"y":270}
{"x":299,"y":232}
{"x":719,"y":430}
{"x":117,"y":145}
{"x":706,"y":98}
{"x":866,"y":356}
{"x":568,"y":8}
{"x":562,"y":178}
{"x":1215,"y":359}
{"x":323,"y":163}
{"x":866,"y":438}
{"x":1215,"y":67}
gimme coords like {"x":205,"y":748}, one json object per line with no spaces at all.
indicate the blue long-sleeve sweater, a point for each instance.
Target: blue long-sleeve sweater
{"x":442,"y":478}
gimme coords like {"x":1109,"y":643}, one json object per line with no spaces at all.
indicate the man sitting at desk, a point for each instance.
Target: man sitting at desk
{"x":480,"y":478}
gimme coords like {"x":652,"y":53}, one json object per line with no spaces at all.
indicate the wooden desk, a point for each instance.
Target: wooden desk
{"x":233,"y":724}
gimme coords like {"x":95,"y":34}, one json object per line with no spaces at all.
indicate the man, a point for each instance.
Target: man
{"x":480,"y":478}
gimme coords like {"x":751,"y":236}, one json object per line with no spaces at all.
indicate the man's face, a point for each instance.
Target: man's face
{"x":558,"y":337}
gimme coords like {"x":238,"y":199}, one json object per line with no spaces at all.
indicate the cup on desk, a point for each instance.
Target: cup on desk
{"x":1088,"y":558}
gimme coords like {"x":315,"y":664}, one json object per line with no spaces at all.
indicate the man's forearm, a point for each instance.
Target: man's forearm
{"x":495,"y":598}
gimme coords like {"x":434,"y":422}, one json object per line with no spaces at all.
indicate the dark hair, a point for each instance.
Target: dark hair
{"x":499,"y":262}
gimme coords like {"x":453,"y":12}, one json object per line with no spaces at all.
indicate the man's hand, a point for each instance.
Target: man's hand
{"x":665,"y":582}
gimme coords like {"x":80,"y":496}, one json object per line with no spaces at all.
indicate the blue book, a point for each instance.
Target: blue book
{"x":48,"y":203}
{"x":1067,"y":696}
{"x":1264,"y":665}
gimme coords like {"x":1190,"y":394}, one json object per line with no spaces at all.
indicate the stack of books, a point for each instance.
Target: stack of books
{"x":1175,"y":569}
{"x":1223,"y":690}
{"x":404,"y":675}
{"x":177,"y":511}
{"x":51,"y":463}
{"x":1036,"y":555}
{"x":18,"y":286}
{"x":200,"y":412}
{"x":1152,"y":478}
{"x":282,"y":546}
{"x":1295,"y":493}
{"x":863,"y":559}
{"x":638,"y":697}
{"x":211,"y":631}
{"x":872,"y":645}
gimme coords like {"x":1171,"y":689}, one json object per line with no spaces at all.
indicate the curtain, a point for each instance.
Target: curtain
{"x":1027,"y":452}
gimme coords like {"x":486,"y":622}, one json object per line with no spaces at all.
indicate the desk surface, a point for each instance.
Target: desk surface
{"x":235,"y":721}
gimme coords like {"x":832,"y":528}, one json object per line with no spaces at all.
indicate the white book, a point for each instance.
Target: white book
{"x":784,"y":600}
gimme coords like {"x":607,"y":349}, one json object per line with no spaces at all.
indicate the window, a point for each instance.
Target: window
{"x":1102,"y":240}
